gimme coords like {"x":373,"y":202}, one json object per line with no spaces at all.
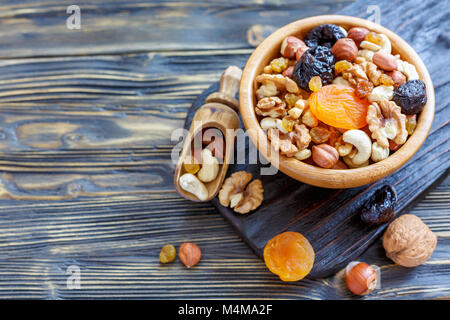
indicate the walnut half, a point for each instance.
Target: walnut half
{"x":235,"y":194}
{"x":386,"y":121}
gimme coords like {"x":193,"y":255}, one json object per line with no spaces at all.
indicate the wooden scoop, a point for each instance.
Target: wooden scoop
{"x":220,"y":112}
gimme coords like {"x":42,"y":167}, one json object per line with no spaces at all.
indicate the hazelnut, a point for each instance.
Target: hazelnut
{"x":300,"y":51}
{"x":398,"y":78}
{"x":408,"y":241}
{"x":345,"y":49}
{"x":290,"y":45}
{"x":361,"y":279}
{"x":288,"y":72}
{"x":325,"y":155}
{"x":357,"y":34}
{"x":190,"y":254}
{"x":384,"y":61}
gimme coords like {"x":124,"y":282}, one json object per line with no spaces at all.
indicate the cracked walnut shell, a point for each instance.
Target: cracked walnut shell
{"x":241,"y":198}
{"x":408,"y":241}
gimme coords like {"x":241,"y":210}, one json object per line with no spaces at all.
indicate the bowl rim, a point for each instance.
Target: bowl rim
{"x":321,"y":177}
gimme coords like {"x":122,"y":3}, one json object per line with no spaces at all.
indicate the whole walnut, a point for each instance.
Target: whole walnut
{"x":408,"y":241}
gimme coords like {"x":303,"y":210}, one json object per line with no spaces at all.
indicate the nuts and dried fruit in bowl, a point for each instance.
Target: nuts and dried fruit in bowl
{"x":339,"y":98}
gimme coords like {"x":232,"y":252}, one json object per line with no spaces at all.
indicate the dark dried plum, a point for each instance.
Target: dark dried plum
{"x":380,"y":208}
{"x":411,"y":96}
{"x":324,"y":35}
{"x":317,"y":61}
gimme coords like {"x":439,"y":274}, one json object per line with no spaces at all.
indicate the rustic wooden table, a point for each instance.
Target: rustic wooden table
{"x":86,"y":177}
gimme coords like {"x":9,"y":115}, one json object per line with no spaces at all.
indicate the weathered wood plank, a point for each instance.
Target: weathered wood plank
{"x":117,"y":263}
{"x":39,"y":28}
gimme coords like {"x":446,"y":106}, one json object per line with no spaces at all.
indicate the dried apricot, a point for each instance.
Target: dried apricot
{"x":339,"y":107}
{"x":289,"y":255}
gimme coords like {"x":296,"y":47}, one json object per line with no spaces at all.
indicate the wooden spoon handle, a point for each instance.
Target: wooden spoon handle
{"x":229,"y":85}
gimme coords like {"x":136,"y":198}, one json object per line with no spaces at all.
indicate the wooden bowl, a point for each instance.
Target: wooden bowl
{"x":330,"y":178}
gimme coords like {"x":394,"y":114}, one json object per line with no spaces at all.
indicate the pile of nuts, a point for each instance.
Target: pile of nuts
{"x":203,"y":167}
{"x":339,"y":99}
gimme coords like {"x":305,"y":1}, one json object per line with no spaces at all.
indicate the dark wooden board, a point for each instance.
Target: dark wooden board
{"x":329,"y":218}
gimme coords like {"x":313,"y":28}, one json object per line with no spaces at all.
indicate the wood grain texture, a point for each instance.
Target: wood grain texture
{"x":86,"y":174}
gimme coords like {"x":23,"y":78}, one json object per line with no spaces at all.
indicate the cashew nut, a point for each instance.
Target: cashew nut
{"x":348,"y":161}
{"x":362,"y":143}
{"x":407,"y":69}
{"x":369,"y":45}
{"x":303,"y":154}
{"x":340,"y":81}
{"x":367,"y":54}
{"x":379,"y":153}
{"x":210,"y":166}
{"x":385,"y":43}
{"x":267,"y":123}
{"x":191,"y":184}
{"x":381,"y":93}
{"x":295,"y":113}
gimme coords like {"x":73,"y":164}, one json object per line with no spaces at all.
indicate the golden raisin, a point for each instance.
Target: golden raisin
{"x":342,"y":66}
{"x":279,"y":64}
{"x":319,"y":135}
{"x":288,"y":124}
{"x":168,"y":254}
{"x":315,"y":84}
{"x":291,"y":99}
{"x":386,"y":80}
{"x":191,"y":165}
{"x":374,"y":38}
{"x":411,"y":123}
{"x":334,"y":136}
{"x":289,"y":255}
{"x":363,"y":88}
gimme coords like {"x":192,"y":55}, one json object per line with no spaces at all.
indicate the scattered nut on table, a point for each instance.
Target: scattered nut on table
{"x":361,"y":278}
{"x":210,"y":166}
{"x":408,"y":241}
{"x":241,"y":197}
{"x":190,"y":254}
{"x":191,"y":184}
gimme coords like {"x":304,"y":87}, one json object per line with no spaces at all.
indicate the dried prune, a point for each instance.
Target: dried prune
{"x":318,"y":61}
{"x":380,"y":207}
{"x":324,"y":35}
{"x":411,"y":96}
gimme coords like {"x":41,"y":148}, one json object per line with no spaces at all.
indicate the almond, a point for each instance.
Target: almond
{"x":189,"y":254}
{"x":385,"y":61}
